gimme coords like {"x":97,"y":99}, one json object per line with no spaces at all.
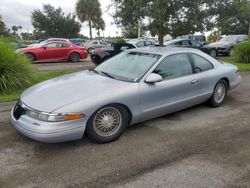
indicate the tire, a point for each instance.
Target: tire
{"x":90,"y":50}
{"x":31,"y":57}
{"x":74,"y":57}
{"x":100,"y":125}
{"x":219,"y":94}
{"x":213,"y":53}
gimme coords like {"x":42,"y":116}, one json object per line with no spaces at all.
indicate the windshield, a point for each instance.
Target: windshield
{"x":230,"y":39}
{"x":128,"y":66}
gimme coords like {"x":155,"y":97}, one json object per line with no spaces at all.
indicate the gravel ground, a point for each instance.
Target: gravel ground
{"x":197,"y":147}
{"x":82,"y":65}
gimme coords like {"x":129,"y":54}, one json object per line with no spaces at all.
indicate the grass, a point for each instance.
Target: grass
{"x":243,"y":67}
{"x":41,"y":76}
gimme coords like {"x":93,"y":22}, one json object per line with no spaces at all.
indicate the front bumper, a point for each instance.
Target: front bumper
{"x":49,"y":132}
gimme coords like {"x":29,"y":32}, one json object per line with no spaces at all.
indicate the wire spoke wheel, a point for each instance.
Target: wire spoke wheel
{"x":219,"y":93}
{"x":107,"y":121}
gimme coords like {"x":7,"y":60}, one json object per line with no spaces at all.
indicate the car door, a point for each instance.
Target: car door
{"x":175,"y":92}
{"x":63,"y":50}
{"x":48,"y":52}
{"x":204,"y":74}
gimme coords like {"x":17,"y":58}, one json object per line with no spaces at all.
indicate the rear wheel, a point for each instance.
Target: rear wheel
{"x":31,"y":57}
{"x":107,"y":124}
{"x":74,"y":57}
{"x":219,"y":95}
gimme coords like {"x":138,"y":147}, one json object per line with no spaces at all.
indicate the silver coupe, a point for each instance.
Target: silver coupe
{"x":134,"y":86}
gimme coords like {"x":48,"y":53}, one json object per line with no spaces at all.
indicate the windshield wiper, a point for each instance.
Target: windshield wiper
{"x":107,"y":74}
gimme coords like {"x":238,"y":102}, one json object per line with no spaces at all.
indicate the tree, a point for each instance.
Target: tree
{"x":14,"y":29}
{"x":213,"y":37}
{"x":2,"y":26}
{"x":233,"y":16}
{"x":163,"y":16}
{"x":99,"y":25}
{"x":52,"y":22}
{"x":89,"y":11}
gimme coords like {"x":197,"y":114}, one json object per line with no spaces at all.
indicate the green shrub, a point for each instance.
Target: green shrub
{"x":16,"y":71}
{"x":120,"y":40}
{"x":242,"y":52}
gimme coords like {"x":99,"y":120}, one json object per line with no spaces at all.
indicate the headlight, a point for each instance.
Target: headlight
{"x":53,"y":117}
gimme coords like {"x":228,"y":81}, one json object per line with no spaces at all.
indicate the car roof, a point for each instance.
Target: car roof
{"x":164,"y":50}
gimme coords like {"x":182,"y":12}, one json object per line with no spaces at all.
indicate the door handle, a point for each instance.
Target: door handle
{"x":194,"y":81}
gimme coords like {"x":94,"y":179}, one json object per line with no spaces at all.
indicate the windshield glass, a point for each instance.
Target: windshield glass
{"x":128,"y":66}
{"x":229,"y":39}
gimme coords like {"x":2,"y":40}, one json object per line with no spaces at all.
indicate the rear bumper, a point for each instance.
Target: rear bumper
{"x":235,"y":83}
{"x":49,"y":132}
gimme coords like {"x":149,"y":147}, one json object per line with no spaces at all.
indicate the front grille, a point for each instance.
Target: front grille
{"x":18,"y":111}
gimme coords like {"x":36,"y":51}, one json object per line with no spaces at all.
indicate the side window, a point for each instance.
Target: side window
{"x":201,"y":64}
{"x":185,"y":43}
{"x":103,"y":43}
{"x":196,"y":44}
{"x":63,"y":45}
{"x":123,"y":48}
{"x":52,"y":45}
{"x":95,"y":42}
{"x":140,"y":44}
{"x":148,"y":43}
{"x":174,"y":66}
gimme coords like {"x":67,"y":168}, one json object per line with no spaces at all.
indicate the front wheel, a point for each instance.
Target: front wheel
{"x":219,"y":94}
{"x":107,"y":124}
{"x":213,"y":53}
{"x":30,"y":57}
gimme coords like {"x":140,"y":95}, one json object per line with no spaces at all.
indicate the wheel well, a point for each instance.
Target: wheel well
{"x":227,"y":81}
{"x":128,"y":110}
{"x":31,"y":54}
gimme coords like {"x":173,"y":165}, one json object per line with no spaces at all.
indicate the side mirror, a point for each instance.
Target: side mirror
{"x":153,"y":78}
{"x":44,"y":47}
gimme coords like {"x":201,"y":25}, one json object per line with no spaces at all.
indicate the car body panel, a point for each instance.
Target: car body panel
{"x":87,"y":91}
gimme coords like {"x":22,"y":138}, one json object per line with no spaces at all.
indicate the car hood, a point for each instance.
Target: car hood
{"x":59,"y":92}
{"x":221,"y":44}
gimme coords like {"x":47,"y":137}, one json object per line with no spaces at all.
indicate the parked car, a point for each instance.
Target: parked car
{"x":192,"y":44}
{"x":91,"y":45}
{"x":55,"y":51}
{"x":225,"y":45}
{"x":99,"y":55}
{"x":198,"y":38}
{"x":77,"y":41}
{"x":139,"y":43}
{"x":131,"y":87}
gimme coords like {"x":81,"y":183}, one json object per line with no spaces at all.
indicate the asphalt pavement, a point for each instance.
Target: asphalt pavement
{"x":197,"y":147}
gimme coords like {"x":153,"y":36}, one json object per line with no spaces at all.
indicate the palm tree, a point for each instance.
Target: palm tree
{"x":2,"y":25}
{"x":99,"y":25}
{"x":90,"y":11}
{"x":14,"y":29}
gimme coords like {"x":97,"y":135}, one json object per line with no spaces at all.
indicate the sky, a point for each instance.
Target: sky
{"x":18,"y":12}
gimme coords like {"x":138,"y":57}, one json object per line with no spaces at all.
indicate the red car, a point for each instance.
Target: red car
{"x":55,"y":51}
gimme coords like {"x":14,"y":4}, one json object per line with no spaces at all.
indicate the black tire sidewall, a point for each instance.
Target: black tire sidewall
{"x":90,"y":50}
{"x":213,"y":103}
{"x":93,"y":136}
{"x":72,"y":54}
{"x":31,"y":57}
{"x":213,"y":50}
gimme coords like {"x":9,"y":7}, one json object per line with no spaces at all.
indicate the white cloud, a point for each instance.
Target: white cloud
{"x":18,"y":12}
